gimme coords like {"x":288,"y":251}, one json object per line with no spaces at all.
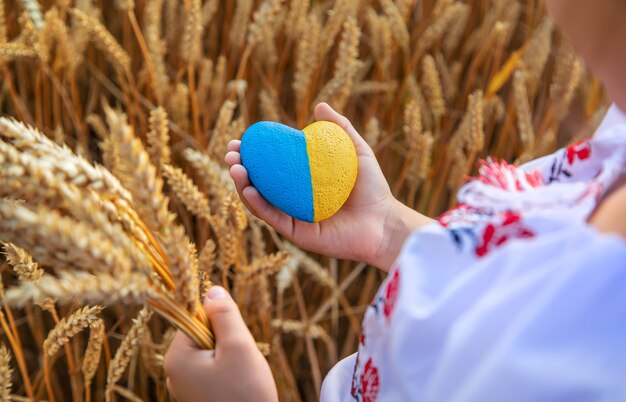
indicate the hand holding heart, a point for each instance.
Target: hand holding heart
{"x":308,"y":174}
{"x":365,"y":227}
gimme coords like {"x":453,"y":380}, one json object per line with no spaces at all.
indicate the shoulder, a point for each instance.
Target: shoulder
{"x":610,"y":215}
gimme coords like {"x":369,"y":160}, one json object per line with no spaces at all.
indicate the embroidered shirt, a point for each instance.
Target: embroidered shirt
{"x":510,"y":296}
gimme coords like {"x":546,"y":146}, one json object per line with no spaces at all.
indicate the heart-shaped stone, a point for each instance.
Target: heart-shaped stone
{"x":307,"y":174}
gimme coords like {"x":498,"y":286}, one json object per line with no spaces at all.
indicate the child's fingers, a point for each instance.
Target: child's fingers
{"x":182,"y":343}
{"x":183,"y":351}
{"x":182,"y":355}
{"x":323,"y":111}
{"x":274,"y":217}
{"x":257,"y":204}
{"x":233,"y":158}
{"x":239,"y":174}
{"x":228,"y":326}
{"x":234,"y":145}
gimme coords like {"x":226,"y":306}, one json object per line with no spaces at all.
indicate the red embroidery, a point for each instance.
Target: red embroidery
{"x":370,"y":382}
{"x":463,"y":215}
{"x":391,"y":293}
{"x":508,"y":177}
{"x":581,"y":151}
{"x":496,"y":235}
{"x":457,"y":214}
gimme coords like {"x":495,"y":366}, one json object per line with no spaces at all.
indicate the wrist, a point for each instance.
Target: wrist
{"x":400,"y":221}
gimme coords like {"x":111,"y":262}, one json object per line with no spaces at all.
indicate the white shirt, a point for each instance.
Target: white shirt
{"x":511,"y":296}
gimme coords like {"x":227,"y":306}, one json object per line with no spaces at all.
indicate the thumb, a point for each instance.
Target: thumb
{"x":323,"y":111}
{"x":228,"y":326}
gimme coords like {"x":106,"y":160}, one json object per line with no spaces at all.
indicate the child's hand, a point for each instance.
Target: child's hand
{"x":371,"y":226}
{"x":234,"y":371}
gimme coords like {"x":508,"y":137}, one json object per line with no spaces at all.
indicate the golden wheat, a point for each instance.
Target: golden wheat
{"x":127,"y":349}
{"x":6,"y":381}
{"x":104,"y":40}
{"x":22,"y":263}
{"x":68,"y":327}
{"x":96,"y":213}
{"x":91,"y":359}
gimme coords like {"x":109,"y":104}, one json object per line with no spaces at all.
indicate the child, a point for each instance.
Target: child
{"x":518,"y":294}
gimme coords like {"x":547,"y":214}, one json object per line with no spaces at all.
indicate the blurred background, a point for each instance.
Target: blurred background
{"x":433,"y":86}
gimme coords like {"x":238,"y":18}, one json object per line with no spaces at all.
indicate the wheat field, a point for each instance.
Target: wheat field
{"x":117,"y":211}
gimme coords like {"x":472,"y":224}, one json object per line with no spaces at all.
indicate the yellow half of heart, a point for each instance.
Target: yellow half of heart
{"x":333,"y":163}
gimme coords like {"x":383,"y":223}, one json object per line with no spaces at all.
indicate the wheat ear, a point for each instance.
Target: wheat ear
{"x":91,"y":359}
{"x":6,"y":372}
{"x":128,"y":348}
{"x":68,"y":327}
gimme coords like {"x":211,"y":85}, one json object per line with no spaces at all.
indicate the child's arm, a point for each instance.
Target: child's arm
{"x":370,"y":227}
{"x":235,"y":371}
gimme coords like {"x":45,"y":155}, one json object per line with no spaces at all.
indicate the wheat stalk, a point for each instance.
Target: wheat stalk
{"x":263,"y":266}
{"x":263,"y":21}
{"x":435,"y":31}
{"x":397,"y":24}
{"x":151,"y":357}
{"x":68,"y":327}
{"x":103,"y":39}
{"x":3,"y":23}
{"x":306,"y":60}
{"x":337,"y":90}
{"x":524,"y":119}
{"x":141,"y":175}
{"x":336,"y":18}
{"x":153,"y":15}
{"x":59,"y":240}
{"x":296,"y":17}
{"x":39,"y":185}
{"x":22,"y":263}
{"x":188,"y":192}
{"x":55,"y":31}
{"x":381,"y":37}
{"x":419,"y":143}
{"x":158,"y":137}
{"x":127,"y":349}
{"x":192,"y":44}
{"x":33,"y":8}
{"x":13,"y":51}
{"x":125,"y":5}
{"x":73,"y":286}
{"x":567,"y":75}
{"x":91,"y":359}
{"x":178,"y":106}
{"x":454,"y":36}
{"x":67,"y":166}
{"x":537,"y":53}
{"x":476,"y":140}
{"x":209,"y":9}
{"x":434,"y":91}
{"x":243,"y":11}
{"x":6,"y":372}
